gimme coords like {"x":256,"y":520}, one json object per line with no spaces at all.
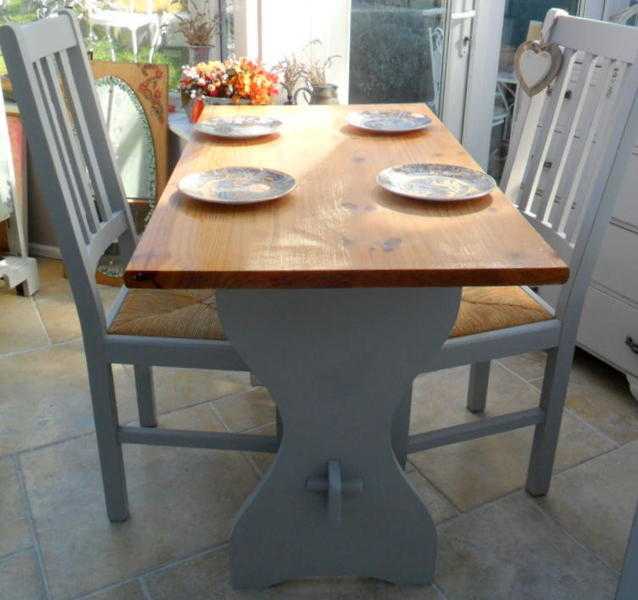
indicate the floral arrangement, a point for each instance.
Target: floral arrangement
{"x":236,"y":79}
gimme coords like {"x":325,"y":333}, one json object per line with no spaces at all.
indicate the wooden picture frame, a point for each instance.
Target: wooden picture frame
{"x":149,"y":82}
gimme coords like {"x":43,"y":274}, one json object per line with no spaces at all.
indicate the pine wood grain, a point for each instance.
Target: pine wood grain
{"x":338,"y":228}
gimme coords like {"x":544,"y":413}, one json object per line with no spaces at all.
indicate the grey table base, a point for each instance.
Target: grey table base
{"x":338,"y":364}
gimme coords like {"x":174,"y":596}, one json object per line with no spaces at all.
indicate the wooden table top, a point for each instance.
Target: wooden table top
{"x":338,"y":228}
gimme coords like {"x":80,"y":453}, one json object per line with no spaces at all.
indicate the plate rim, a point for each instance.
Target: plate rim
{"x":237,"y":203}
{"x":425,"y":125}
{"x":200,"y":128}
{"x":431,"y":198}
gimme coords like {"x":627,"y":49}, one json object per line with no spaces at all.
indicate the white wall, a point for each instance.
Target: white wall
{"x":288,"y":25}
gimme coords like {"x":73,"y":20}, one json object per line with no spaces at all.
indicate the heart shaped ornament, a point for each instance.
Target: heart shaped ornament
{"x":537,"y":65}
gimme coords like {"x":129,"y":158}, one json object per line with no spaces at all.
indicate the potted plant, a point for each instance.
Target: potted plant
{"x":198,"y":28}
{"x":318,"y":88}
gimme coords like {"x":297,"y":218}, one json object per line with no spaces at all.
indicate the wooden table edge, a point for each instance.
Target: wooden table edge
{"x":344,"y":279}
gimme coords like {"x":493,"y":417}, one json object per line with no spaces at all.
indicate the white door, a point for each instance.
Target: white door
{"x":443,"y":52}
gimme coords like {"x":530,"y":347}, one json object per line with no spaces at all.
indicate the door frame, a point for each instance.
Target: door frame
{"x":482,"y":73}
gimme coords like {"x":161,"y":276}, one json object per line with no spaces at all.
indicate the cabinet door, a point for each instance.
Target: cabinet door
{"x":627,"y":203}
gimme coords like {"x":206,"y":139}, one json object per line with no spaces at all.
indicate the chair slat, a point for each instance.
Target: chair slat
{"x":586,"y":163}
{"x":545,"y":132}
{"x":579,"y":96}
{"x":597,"y":142}
{"x":53,"y":115}
{"x":76,"y":162}
{"x":84,"y":135}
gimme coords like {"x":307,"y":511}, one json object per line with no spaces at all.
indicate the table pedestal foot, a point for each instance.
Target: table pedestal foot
{"x":337,"y":363}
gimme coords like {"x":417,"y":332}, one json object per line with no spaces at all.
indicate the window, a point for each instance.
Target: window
{"x":133,"y":30}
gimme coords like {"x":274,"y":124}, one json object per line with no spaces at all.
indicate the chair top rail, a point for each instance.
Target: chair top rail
{"x":46,"y":37}
{"x":601,"y":38}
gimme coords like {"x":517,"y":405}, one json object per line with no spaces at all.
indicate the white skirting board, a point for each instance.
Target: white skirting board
{"x":44,"y":251}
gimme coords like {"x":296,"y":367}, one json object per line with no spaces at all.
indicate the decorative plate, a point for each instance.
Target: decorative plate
{"x":388,"y":121}
{"x":237,"y":185}
{"x":436,"y":182}
{"x":239,"y":127}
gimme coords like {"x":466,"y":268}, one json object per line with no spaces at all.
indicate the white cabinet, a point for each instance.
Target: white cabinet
{"x":609,"y":324}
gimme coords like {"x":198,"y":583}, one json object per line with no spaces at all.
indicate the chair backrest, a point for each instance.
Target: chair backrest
{"x":70,"y":151}
{"x":568,"y":140}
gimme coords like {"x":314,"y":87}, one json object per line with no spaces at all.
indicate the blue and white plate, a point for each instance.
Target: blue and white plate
{"x":242,"y":127}
{"x":388,"y":121}
{"x":237,"y":185}
{"x":442,"y":183}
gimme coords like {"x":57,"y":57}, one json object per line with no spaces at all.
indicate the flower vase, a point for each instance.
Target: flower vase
{"x":199,"y":54}
{"x":190,"y":103}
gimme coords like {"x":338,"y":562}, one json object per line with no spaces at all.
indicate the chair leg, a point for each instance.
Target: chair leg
{"x":401,"y":429}
{"x":145,"y":396}
{"x":541,"y":464}
{"x":109,"y":447}
{"x":477,"y":387}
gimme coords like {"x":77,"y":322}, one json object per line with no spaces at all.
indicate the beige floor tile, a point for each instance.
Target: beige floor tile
{"x":57,"y":308}
{"x":247,"y":410}
{"x":439,"y":506}
{"x":596,"y":501}
{"x":600,"y":395}
{"x":178,"y":388}
{"x":20,"y":579}
{"x":20,"y":325}
{"x":438,"y":399}
{"x":44,"y":397}
{"x":511,"y":550}
{"x":474,"y":472}
{"x":182,"y":501}
{"x":127,"y":591}
{"x":263,"y":460}
{"x":529,"y":366}
{"x":209,"y":577}
{"x":15,"y":533}
{"x":50,"y":270}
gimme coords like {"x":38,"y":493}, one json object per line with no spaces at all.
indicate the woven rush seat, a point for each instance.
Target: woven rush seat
{"x":193,"y":313}
{"x":169,"y":313}
{"x":491,"y":308}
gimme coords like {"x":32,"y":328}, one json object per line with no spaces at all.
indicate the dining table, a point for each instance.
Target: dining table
{"x":336,"y":296}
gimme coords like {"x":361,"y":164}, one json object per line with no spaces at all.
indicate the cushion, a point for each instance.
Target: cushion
{"x":491,"y":308}
{"x":169,"y":313}
{"x":193,"y":313}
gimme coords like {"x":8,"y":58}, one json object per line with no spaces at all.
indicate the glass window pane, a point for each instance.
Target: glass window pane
{"x":519,"y":15}
{"x":396,"y":51}
{"x":134,"y":30}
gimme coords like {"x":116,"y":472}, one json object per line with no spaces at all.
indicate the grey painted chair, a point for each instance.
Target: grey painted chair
{"x":628,"y":582}
{"x":74,"y":164}
{"x":573,"y":145}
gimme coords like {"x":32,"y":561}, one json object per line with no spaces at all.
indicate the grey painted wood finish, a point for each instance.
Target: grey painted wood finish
{"x":73,"y":160}
{"x":335,"y":501}
{"x":628,"y":584}
{"x":573,"y":146}
{"x":338,"y":374}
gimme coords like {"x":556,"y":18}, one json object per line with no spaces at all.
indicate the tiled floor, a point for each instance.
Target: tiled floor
{"x":494,"y":541}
